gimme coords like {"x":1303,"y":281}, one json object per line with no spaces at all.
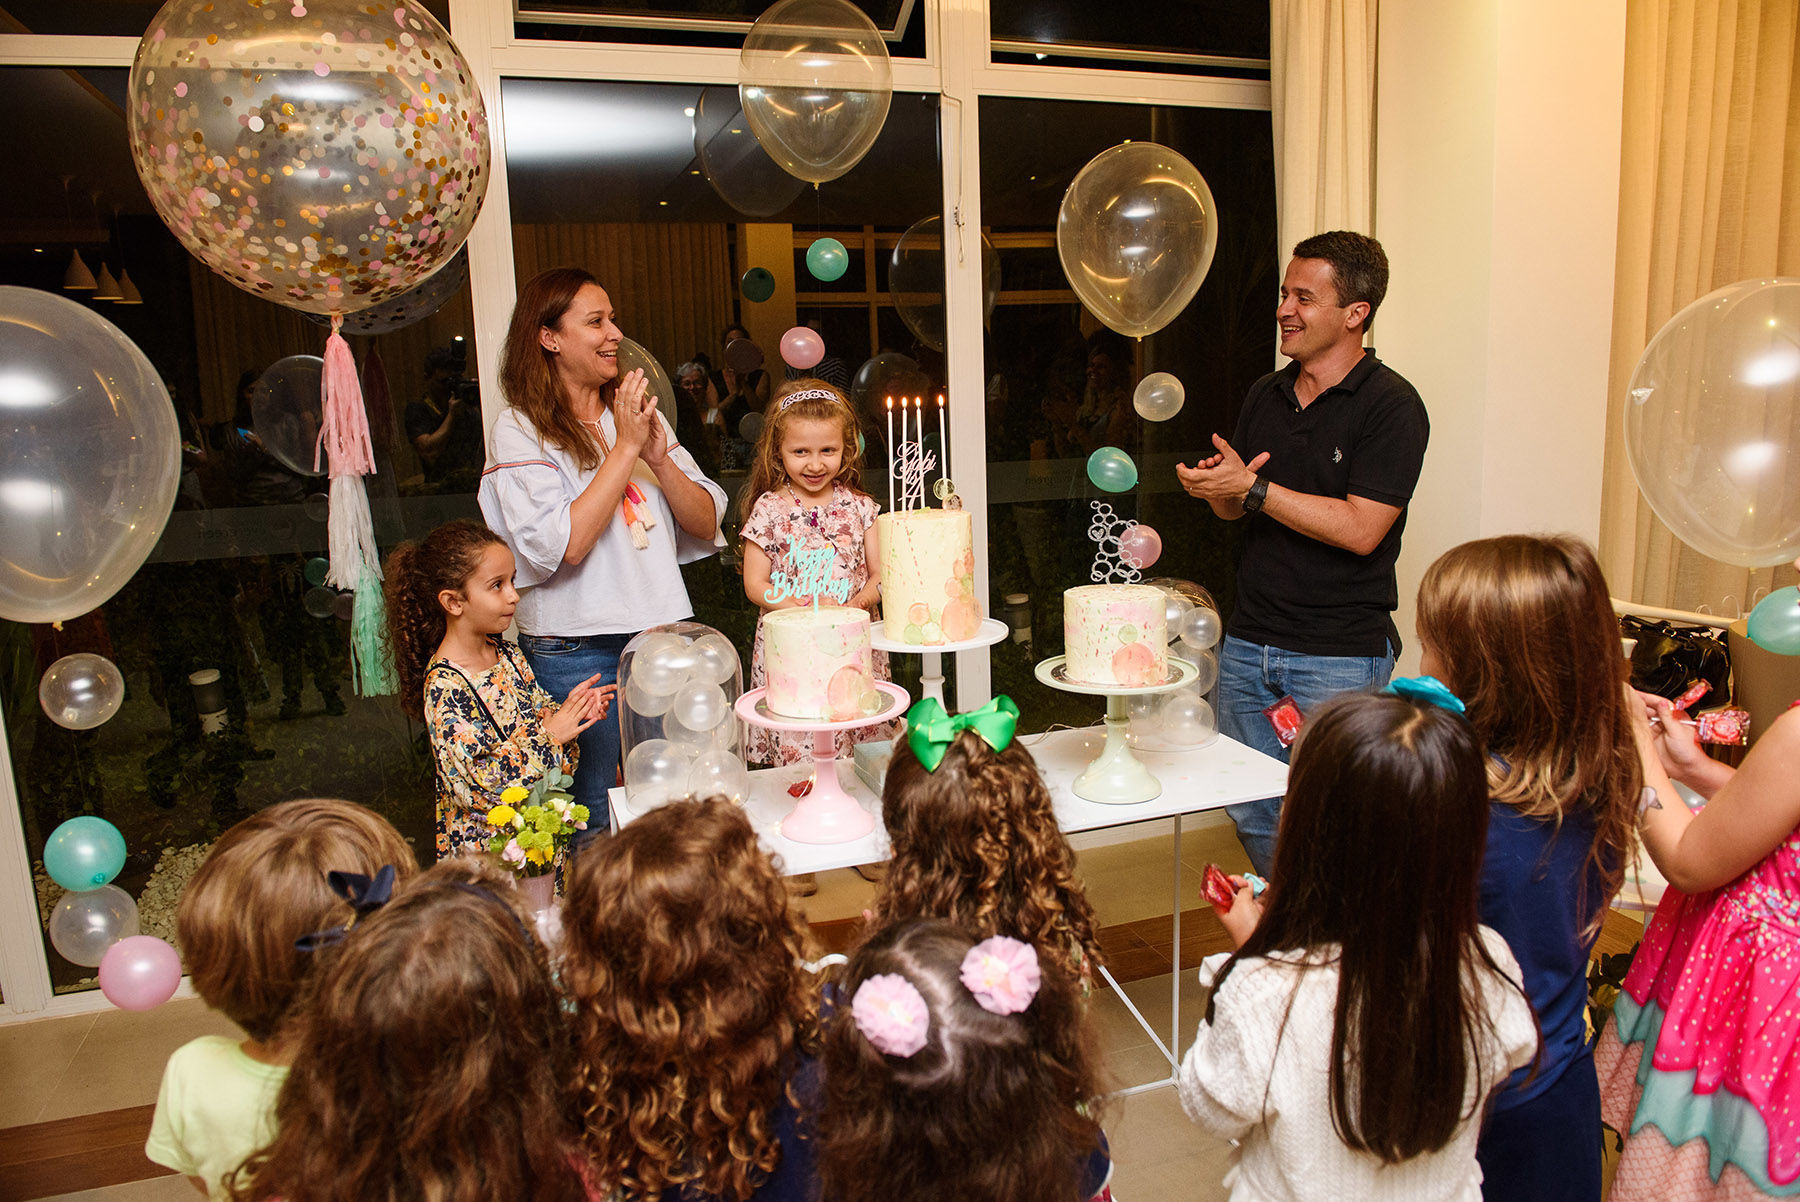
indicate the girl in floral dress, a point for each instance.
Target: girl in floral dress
{"x":803,"y":495}
{"x":449,"y":598}
{"x":1700,"y":1065}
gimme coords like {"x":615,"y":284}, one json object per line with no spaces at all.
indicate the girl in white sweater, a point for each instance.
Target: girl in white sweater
{"x":1351,"y":1042}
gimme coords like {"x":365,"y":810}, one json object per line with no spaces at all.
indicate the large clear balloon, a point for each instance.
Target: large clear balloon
{"x":1774,"y":624}
{"x":678,"y":685}
{"x":90,"y":457}
{"x":139,"y":972}
{"x":815,"y":82}
{"x":287,"y":406}
{"x":1136,"y":235}
{"x":736,"y":165}
{"x":633,"y":357}
{"x":1159,"y":397}
{"x":84,"y":853}
{"x":657,"y":771}
{"x":916,"y":280}
{"x":887,"y":374}
{"x":83,"y":925}
{"x":414,"y":305}
{"x":1712,"y":419}
{"x":328,"y":155}
{"x":81,"y":691}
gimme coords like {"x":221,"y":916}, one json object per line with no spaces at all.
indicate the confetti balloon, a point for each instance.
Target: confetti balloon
{"x":329,"y":155}
{"x":815,"y":81}
{"x":81,"y":691}
{"x":413,"y":305}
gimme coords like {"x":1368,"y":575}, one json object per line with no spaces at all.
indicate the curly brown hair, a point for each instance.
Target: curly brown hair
{"x":766,"y":472}
{"x":429,"y":1063}
{"x":261,"y":887}
{"x":976,"y":842}
{"x":683,"y":963}
{"x":994,"y":1107}
{"x":414,"y":575}
{"x":528,"y":378}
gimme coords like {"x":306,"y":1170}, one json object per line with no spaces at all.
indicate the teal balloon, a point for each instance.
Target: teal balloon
{"x":1775,"y":622}
{"x":758,"y":283}
{"x":316,"y":569}
{"x":1112,"y":470}
{"x":827,"y":259}
{"x":84,"y":853}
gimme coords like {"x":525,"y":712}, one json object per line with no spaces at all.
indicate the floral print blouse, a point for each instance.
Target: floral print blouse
{"x":487,"y":732}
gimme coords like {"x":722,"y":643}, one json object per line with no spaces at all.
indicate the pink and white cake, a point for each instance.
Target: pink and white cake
{"x":819,"y":664}
{"x":928,"y":576}
{"x":1115,"y":634}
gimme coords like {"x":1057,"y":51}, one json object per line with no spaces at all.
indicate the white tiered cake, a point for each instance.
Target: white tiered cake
{"x":928,"y":576}
{"x":1115,"y":634}
{"x":819,"y":664}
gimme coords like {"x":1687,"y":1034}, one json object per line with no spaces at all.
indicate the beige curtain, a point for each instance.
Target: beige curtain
{"x":1709,"y":195}
{"x":671,"y":284}
{"x":1322,"y":75}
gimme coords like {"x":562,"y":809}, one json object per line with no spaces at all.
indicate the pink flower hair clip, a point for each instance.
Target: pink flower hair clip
{"x":1003,"y":974}
{"x":891,"y":1015}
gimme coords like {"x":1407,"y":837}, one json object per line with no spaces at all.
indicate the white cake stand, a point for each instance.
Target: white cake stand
{"x":931,"y":670}
{"x":827,"y":814}
{"x":1116,"y":777}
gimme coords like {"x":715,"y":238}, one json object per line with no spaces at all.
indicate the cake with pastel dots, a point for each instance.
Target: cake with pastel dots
{"x":819,"y":664}
{"x":1115,"y":634}
{"x":928,"y":576}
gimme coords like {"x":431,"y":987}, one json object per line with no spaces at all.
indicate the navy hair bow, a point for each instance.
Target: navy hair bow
{"x":365,"y":895}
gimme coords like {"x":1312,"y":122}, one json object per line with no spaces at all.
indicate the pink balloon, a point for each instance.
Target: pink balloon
{"x":1140,"y":546}
{"x":802,"y":348}
{"x":140,"y":973}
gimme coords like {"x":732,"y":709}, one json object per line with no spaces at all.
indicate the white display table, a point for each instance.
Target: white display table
{"x":1222,"y":774}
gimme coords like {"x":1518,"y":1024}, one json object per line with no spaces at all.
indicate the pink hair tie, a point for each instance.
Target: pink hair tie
{"x":1002,"y":973}
{"x":891,"y":1015}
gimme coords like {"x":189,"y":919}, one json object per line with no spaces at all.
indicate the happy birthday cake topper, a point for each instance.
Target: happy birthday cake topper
{"x":811,"y":575}
{"x":1110,"y":566}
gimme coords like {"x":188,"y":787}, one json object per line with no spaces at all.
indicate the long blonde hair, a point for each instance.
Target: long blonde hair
{"x":1524,"y":628}
{"x":766,"y":472}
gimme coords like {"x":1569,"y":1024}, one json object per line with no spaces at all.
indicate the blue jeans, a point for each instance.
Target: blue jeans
{"x":1252,"y":677}
{"x":560,"y":664}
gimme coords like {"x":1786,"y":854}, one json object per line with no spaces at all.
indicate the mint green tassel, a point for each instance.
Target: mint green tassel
{"x":370,"y":659}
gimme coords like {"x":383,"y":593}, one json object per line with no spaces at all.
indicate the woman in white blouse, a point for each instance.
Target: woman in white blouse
{"x":598,"y":502}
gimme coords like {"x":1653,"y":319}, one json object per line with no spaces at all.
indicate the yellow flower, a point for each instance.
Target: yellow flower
{"x":501,"y":815}
{"x":512,"y":795}
{"x":538,"y":855}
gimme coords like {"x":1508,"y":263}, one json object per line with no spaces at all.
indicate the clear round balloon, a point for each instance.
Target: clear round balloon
{"x":1188,"y":720}
{"x":83,"y":925}
{"x":327,"y":155}
{"x":916,"y":280}
{"x":1159,"y":396}
{"x":287,"y":407}
{"x":1200,"y":629}
{"x":1184,"y":590}
{"x":320,"y":602}
{"x":678,"y":686}
{"x":1712,"y":420}
{"x":90,"y":457}
{"x":1136,"y":235}
{"x":815,"y":82}
{"x":633,"y":357}
{"x":1206,"y":668}
{"x":81,"y":691}
{"x":412,"y":306}
{"x":736,"y":165}
{"x":887,"y":374}
{"x":719,"y":774}
{"x":1143,"y":713}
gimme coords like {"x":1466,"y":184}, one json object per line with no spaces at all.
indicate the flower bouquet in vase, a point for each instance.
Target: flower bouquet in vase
{"x":531,"y":827}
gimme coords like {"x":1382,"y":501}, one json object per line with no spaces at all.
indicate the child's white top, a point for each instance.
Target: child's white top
{"x":1273,"y":1099}
{"x":215,"y":1108}
{"x":525,"y":496}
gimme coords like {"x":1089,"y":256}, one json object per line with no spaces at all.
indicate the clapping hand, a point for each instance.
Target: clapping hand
{"x":634,"y":413}
{"x":1223,"y":476}
{"x":584,"y":706}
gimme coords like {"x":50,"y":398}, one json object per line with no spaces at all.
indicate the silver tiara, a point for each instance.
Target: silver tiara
{"x":808,"y":394}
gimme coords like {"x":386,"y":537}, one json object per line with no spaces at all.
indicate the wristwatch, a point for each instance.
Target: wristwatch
{"x":1259,"y":492}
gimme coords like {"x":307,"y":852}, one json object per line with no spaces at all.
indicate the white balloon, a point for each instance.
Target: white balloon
{"x":1145,"y":711}
{"x":1188,"y":720}
{"x":701,"y":706}
{"x":81,"y":691}
{"x":719,"y":774}
{"x":1207,"y":665}
{"x":1200,"y":629}
{"x":657,"y":771}
{"x":1175,"y":608}
{"x":644,"y":702}
{"x":716,"y":660}
{"x":83,"y":925}
{"x":675,"y":732}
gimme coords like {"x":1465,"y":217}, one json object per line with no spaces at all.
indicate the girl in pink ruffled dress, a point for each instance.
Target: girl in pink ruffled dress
{"x":1700,"y":1065}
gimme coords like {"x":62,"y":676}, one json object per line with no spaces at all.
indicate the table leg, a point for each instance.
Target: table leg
{"x":1175,"y":957}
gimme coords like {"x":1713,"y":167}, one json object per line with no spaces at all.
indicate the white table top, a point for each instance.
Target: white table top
{"x":1223,"y":774}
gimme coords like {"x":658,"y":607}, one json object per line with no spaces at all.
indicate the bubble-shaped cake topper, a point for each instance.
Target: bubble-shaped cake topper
{"x":1107,"y":528}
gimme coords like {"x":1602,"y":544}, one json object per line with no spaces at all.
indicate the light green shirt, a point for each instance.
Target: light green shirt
{"x":215,"y":1108}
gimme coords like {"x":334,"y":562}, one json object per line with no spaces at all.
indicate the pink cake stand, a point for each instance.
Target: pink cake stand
{"x":827,"y":814}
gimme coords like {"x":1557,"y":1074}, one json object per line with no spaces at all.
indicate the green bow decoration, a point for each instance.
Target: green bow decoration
{"x":930,"y":731}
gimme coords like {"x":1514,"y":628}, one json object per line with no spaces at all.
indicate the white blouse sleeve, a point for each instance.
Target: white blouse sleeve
{"x":1224,"y":1078}
{"x":687,"y":547}
{"x":525,"y":497}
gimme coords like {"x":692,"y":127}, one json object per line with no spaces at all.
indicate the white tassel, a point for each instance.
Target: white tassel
{"x":350,"y":534}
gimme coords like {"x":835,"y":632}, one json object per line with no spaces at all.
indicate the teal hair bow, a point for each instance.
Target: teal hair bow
{"x":1428,"y":689}
{"x":930,"y":730}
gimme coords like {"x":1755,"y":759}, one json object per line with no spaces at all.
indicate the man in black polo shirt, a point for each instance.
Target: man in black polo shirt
{"x":1334,"y":443}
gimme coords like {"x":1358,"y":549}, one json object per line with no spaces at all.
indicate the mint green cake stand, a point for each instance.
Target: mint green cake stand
{"x":1117,"y":776}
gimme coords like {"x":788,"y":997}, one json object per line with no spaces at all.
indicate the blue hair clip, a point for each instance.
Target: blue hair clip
{"x":1428,"y":689}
